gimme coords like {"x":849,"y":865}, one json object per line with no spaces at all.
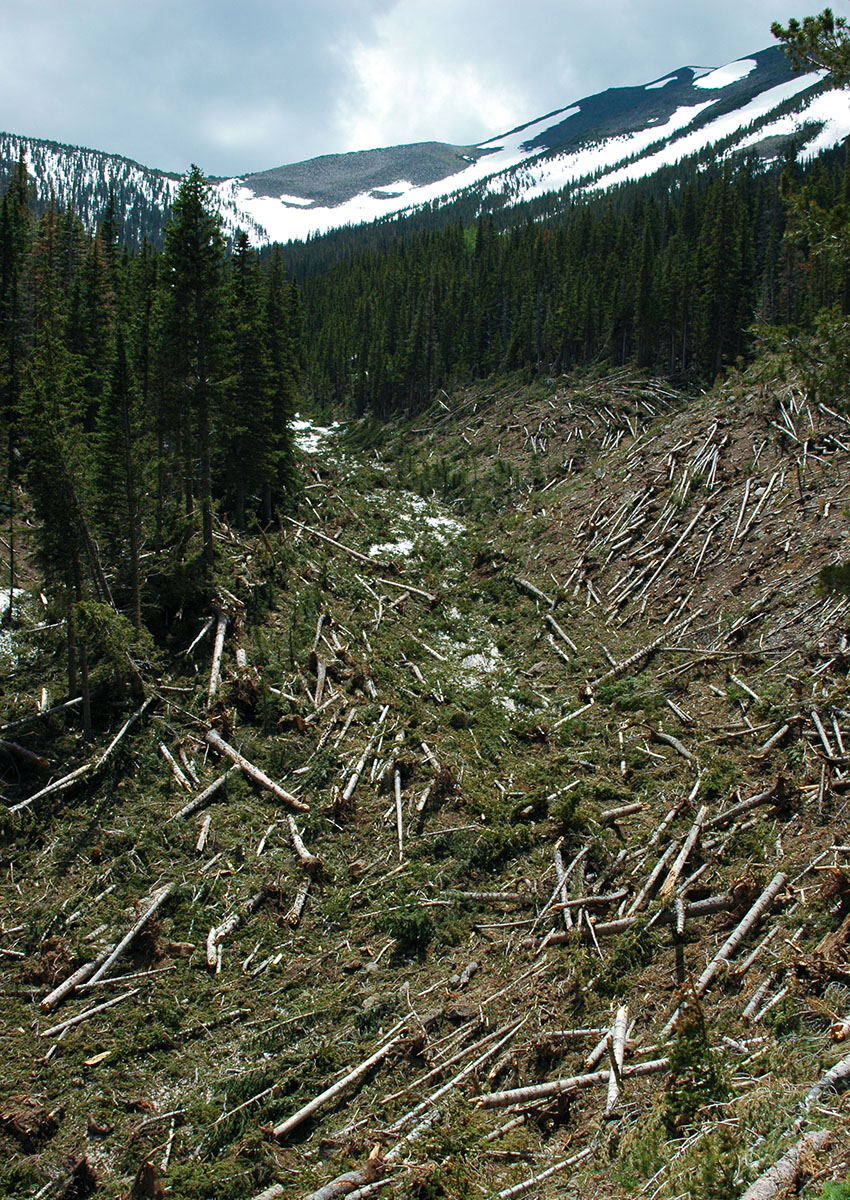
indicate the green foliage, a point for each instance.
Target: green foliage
{"x":835,"y":578}
{"x":696,"y":1076}
{"x":412,"y":925}
{"x":835,"y":1191}
{"x":818,"y":43}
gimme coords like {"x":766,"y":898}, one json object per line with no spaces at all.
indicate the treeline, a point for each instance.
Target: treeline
{"x":138,"y":393}
{"x":667,"y":275}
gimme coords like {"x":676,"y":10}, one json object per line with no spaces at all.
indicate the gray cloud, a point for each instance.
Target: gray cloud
{"x":247,"y":87}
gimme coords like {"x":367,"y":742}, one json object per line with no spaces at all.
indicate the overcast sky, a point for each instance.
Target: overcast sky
{"x":248,"y":85}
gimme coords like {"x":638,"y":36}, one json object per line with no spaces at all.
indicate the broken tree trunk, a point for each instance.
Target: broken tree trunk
{"x":73,"y":981}
{"x":835,"y":1080}
{"x":559,"y":1087}
{"x":87,"y":769}
{"x":157,"y":900}
{"x":640,"y":655}
{"x":219,"y":932}
{"x":247,"y":768}
{"x":616,"y":1045}
{"x":733,"y":941}
{"x":205,"y":796}
{"x":336,"y":1089}
{"x":218,"y":649}
{"x":84,"y":1016}
{"x":785,"y":1172}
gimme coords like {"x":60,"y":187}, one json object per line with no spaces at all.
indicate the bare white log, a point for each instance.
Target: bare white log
{"x":84,"y":1016}
{"x":207,"y":627}
{"x":222,"y":619}
{"x":331,"y":1093}
{"x":296,"y":909}
{"x":616,"y":1046}
{"x":519,"y":1189}
{"x":670,"y":554}
{"x":218,"y":933}
{"x":323,"y":537}
{"x":560,"y":1087}
{"x":73,"y":981}
{"x":753,"y":916}
{"x":556,"y":628}
{"x":623,"y":810}
{"x":534,"y":592}
{"x":836,"y":1079}
{"x":738,"y":809}
{"x":641,"y":655}
{"x":204,"y":797}
{"x":668,"y":740}
{"x":682,"y":857}
{"x":92,"y":767}
{"x":157,"y":900}
{"x":786,"y":1171}
{"x":247,"y":768}
{"x":176,"y":770}
{"x":203,"y":833}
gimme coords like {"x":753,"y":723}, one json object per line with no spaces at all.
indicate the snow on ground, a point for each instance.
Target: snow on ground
{"x":723,"y":76}
{"x":414,"y":524}
{"x":660,"y":83}
{"x":312,"y":438}
{"x":831,"y":110}
{"x":282,"y":220}
{"x":474,"y":661}
{"x":712,"y":131}
{"x":555,"y":173}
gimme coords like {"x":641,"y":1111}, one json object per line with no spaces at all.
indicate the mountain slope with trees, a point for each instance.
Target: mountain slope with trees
{"x":447,"y":801}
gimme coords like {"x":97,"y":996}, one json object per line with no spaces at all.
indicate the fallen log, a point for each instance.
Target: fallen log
{"x":700,"y":908}
{"x":157,"y":900}
{"x":336,"y":1089}
{"x":785,"y":1172}
{"x":73,"y":981}
{"x":616,"y":1046}
{"x":518,"y":1189}
{"x":92,"y":767}
{"x":218,"y":649}
{"x":254,"y":773}
{"x":204,"y":797}
{"x":640,"y":655}
{"x":560,"y":1087}
{"x":731,"y":944}
{"x":219,"y":932}
{"x":835,"y":1080}
{"x":84,"y":1016}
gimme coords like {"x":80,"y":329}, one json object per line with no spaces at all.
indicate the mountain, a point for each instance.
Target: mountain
{"x":756,"y":104}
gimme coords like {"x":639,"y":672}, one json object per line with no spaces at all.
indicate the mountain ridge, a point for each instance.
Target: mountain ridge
{"x":756,"y":104}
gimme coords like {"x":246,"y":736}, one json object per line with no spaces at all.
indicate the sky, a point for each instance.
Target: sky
{"x":247,"y":86}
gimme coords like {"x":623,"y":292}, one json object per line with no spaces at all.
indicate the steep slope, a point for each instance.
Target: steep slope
{"x":624,"y":133}
{"x":573,"y":628}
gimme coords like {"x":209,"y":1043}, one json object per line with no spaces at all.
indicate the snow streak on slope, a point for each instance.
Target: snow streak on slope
{"x":614,"y":145}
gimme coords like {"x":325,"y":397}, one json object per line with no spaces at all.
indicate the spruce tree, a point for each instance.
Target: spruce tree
{"x":193,"y":274}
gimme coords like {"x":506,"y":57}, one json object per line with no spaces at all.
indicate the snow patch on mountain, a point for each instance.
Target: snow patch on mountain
{"x":723,"y":76}
{"x":712,"y":131}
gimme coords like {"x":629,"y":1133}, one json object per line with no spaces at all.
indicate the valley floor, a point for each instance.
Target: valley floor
{"x":554,"y":703}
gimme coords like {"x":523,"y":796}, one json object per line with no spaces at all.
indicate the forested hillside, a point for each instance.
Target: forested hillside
{"x":447,"y":800}
{"x":669,"y":275}
{"x":137,"y":392}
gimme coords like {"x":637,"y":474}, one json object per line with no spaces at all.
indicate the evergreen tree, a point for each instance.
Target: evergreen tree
{"x":15,"y":232}
{"x":193,"y":269}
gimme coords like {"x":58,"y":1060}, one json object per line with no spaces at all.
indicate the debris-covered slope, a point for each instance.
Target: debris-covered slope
{"x":549,"y":711}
